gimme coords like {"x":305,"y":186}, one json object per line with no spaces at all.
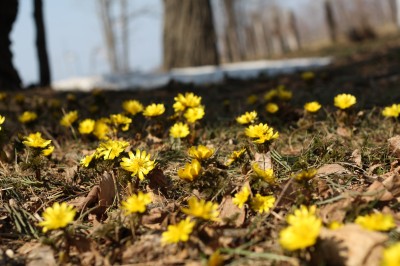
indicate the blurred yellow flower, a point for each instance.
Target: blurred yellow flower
{"x":335,"y":225}
{"x":252,"y":99}
{"x":306,"y":175}
{"x":200,"y":152}
{"x":215,"y":259}
{"x":189,"y":100}
{"x":272,"y":108}
{"x":312,"y":107}
{"x":86,"y":126}
{"x":270,"y":95}
{"x":267,"y":175}
{"x":27,"y":117}
{"x":344,"y":101}
{"x":202,"y":209}
{"x":120,"y":120}
{"x":235,"y":155}
{"x":35,"y":140}
{"x":193,"y":114}
{"x":284,"y":94}
{"x":85,"y":161}
{"x":154,"y":110}
{"x":3,"y":96}
{"x":139,"y":164}
{"x":57,"y":216}
{"x":376,"y":221}
{"x":307,"y":76}
{"x":262,"y":204}
{"x":241,"y":197}
{"x":247,"y":118}
{"x":178,"y":233}
{"x":132,"y":107}
{"x":2,"y":119}
{"x":190,"y":171}
{"x":391,"y":255}
{"x":48,"y":151}
{"x":101,"y":129}
{"x":261,"y":133}
{"x":69,"y":118}
{"x":179,"y":130}
{"x":136,"y":203}
{"x":391,"y":111}
{"x":111,"y":149}
{"x":303,"y":230}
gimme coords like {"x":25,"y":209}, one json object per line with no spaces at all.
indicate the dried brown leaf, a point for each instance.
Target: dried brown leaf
{"x":349,"y":245}
{"x":356,"y":157}
{"x":264,"y":160}
{"x":330,"y":169}
{"x":230,"y":213}
{"x":394,"y":145}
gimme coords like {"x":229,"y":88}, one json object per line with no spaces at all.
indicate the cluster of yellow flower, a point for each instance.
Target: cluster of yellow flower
{"x":391,"y":111}
{"x":35,"y":141}
{"x":192,"y":170}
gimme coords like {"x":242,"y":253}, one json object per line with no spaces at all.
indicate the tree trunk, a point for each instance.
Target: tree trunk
{"x":125,"y":36}
{"x":189,"y":34}
{"x":44,"y":69}
{"x":294,"y":28}
{"x":232,"y":43}
{"x":330,"y":21}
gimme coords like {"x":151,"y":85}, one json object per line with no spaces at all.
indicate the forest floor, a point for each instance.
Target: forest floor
{"x":352,"y":156}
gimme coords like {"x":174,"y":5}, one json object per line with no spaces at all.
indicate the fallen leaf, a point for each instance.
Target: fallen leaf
{"x":264,"y":160}
{"x":356,"y":157}
{"x":335,"y":212}
{"x":230,"y":213}
{"x":158,"y":181}
{"x":106,"y":190}
{"x":330,"y":169}
{"x":41,"y":256}
{"x":344,"y":132}
{"x":394,"y":145}
{"x":378,"y":191}
{"x":349,"y":245}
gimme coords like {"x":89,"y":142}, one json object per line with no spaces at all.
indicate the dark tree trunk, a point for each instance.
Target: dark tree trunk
{"x":44,"y":69}
{"x":189,"y":34}
{"x":232,"y":43}
{"x":330,"y":21}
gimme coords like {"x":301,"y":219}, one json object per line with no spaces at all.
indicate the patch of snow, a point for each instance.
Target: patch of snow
{"x":195,"y":75}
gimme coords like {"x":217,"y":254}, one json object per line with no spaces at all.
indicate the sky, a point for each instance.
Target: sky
{"x":75,"y":41}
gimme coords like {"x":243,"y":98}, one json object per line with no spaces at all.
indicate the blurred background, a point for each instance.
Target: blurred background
{"x":95,"y":37}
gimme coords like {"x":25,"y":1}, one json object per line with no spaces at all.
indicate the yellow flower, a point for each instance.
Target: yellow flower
{"x":190,"y":171}
{"x":306,"y":76}
{"x":376,"y":221}
{"x":261,"y":133}
{"x":344,"y":101}
{"x":312,"y":107}
{"x":101,"y":129}
{"x":272,"y":108}
{"x":189,"y":100}
{"x":194,"y":113}
{"x":2,"y":119}
{"x":391,"y":255}
{"x":27,"y":117}
{"x":241,"y":197}
{"x":335,"y":225}
{"x":57,"y":216}
{"x":136,"y":203}
{"x":252,"y":99}
{"x":48,"y":151}
{"x":262,"y":204}
{"x":270,"y":95}
{"x":85,"y":161}
{"x":139,"y":164}
{"x":235,"y":155}
{"x":69,"y":118}
{"x":306,"y":175}
{"x":284,"y":94}
{"x":178,"y":233}
{"x":303,"y":213}
{"x":301,"y":235}
{"x":391,"y":111}
{"x":154,"y":110}
{"x":247,"y":118}
{"x":35,"y":140}
{"x":3,"y":96}
{"x":303,"y":230}
{"x":132,"y":107}
{"x":86,"y":126}
{"x":119,"y":120}
{"x":202,"y":209}
{"x":200,"y":152}
{"x":267,"y":175}
{"x":111,"y":149}
{"x":179,"y":130}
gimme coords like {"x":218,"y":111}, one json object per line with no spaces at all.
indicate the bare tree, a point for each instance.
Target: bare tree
{"x":232,"y":42}
{"x":44,"y":69}
{"x":189,"y":34}
{"x":330,"y":20}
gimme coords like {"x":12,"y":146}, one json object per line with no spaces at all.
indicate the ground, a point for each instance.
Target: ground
{"x":356,"y":171}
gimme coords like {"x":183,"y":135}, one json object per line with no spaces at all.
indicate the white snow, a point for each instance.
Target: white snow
{"x":195,"y":75}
